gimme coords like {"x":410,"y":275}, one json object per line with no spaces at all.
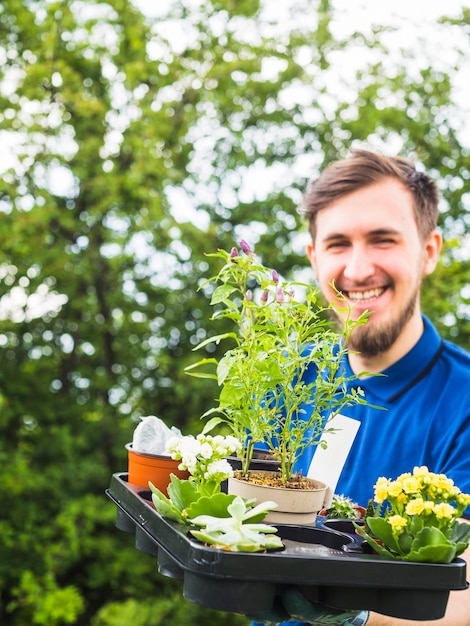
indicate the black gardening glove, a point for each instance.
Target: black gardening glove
{"x":294,"y":607}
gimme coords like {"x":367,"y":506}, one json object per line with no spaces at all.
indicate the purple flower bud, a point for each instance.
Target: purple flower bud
{"x":264,"y":297}
{"x":279,"y":295}
{"x":245,"y":247}
{"x":275,"y":277}
{"x":249,"y":295}
{"x":233,"y":253}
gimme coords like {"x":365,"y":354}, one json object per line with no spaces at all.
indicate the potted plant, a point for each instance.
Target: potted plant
{"x":277,"y":337}
{"x":147,"y":457}
{"x":341,"y":514}
{"x":217,"y":519}
{"x":415,"y":518}
{"x":343,"y":508}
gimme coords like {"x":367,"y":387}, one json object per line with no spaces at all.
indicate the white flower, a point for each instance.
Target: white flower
{"x":233,"y":444}
{"x":172,"y":446}
{"x":218,"y":470}
{"x":205,"y":450}
{"x":188,"y":447}
{"x":203,"y":456}
{"x":190,"y":463}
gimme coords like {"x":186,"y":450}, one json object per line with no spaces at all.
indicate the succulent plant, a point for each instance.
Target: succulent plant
{"x":220,"y":520}
{"x":342,"y":508}
{"x":238,"y":532}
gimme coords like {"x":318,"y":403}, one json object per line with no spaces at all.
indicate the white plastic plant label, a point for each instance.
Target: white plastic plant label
{"x":327,"y":464}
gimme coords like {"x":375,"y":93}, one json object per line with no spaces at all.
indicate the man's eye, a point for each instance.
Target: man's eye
{"x":337,"y":245}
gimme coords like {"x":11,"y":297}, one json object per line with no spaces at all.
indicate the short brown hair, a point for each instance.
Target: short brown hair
{"x":364,"y":168}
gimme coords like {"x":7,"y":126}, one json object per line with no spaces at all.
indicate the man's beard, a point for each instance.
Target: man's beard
{"x":371,"y":340}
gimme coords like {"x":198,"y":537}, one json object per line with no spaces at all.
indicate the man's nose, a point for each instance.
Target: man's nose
{"x":358,"y":266}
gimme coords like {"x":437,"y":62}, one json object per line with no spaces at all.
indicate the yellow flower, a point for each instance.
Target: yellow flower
{"x":403,"y":477}
{"x":382,"y":481}
{"x":463,"y":499}
{"x":420,"y":472}
{"x":402,"y":498}
{"x":454,"y":492}
{"x":443,"y":510}
{"x":381,"y":490}
{"x":428,"y":506}
{"x":395,"y":488}
{"x":415,"y":506}
{"x":411,"y":485}
{"x":443,"y":483}
{"x":397,"y":522}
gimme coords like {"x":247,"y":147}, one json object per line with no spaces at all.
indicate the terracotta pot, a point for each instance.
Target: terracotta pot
{"x":360,"y":511}
{"x":144,"y":468}
{"x":295,"y":506}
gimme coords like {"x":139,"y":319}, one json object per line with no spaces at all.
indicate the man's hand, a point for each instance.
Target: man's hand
{"x":294,"y":606}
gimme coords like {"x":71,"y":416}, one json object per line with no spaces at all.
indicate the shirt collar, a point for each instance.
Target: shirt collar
{"x":408,"y":370}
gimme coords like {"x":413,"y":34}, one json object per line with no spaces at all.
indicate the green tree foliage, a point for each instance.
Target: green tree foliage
{"x":136,"y":145}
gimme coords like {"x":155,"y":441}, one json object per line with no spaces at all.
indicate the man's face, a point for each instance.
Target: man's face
{"x":367,"y":243}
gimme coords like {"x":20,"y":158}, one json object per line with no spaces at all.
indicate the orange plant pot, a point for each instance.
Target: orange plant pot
{"x":145,"y":468}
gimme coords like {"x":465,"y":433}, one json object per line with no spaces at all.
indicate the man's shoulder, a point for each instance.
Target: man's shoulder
{"x":452,"y":374}
{"x":456,"y":354}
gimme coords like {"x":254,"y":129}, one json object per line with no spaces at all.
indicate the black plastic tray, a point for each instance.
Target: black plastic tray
{"x":329,"y":566}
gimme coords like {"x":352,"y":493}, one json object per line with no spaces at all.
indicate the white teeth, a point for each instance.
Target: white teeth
{"x":359,"y":296}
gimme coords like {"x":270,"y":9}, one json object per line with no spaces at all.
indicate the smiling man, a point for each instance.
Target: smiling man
{"x":369,"y":238}
{"x":373,"y":225}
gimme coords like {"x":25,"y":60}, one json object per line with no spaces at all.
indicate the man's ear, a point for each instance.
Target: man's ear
{"x":432,"y":250}
{"x":312,"y":257}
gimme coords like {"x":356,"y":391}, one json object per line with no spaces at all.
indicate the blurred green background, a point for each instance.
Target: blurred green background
{"x":132,"y":143}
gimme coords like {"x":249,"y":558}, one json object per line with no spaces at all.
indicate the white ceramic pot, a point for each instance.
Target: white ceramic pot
{"x":295,"y":506}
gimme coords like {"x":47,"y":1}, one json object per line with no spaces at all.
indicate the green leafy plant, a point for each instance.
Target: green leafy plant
{"x":226,"y":521}
{"x":264,"y":398}
{"x":415,"y":518}
{"x":184,"y":501}
{"x":204,"y":457}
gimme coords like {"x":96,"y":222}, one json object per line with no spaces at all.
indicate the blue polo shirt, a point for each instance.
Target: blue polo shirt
{"x":425,"y":421}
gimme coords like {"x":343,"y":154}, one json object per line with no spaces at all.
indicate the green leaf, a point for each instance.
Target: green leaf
{"x":381,"y":529}
{"x":416,"y":524}
{"x":430,"y":545}
{"x":221,"y":293}
{"x":206,"y":375}
{"x":430,"y":536}
{"x":433,"y":554}
{"x":189,"y":369}
{"x":460,"y":532}
{"x":216,"y":506}
{"x":215,"y":339}
{"x":182,"y":492}
{"x":460,"y":547}
{"x":237,"y":509}
{"x":377,"y":547}
{"x":164,"y":506}
{"x":405,"y":540}
{"x":208,"y":538}
{"x":225,"y":366}
{"x":212,"y":423}
{"x":259,"y":512}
